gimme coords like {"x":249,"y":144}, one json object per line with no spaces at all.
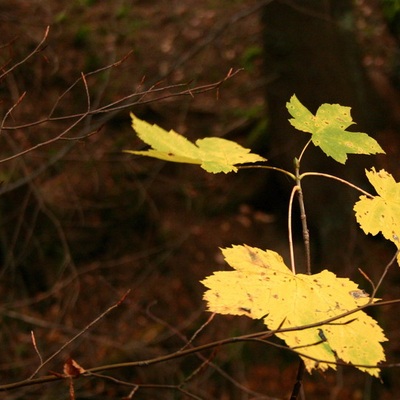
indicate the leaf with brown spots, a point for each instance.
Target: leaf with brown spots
{"x":262,"y":286}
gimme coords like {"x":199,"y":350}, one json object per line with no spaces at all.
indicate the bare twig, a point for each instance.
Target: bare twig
{"x":8,"y":113}
{"x":56,"y":138}
{"x":109,"y":112}
{"x":37,"y":49}
{"x":128,"y":101}
{"x":87,"y":327}
{"x":206,"y":360}
{"x":385,"y":271}
{"x":259,"y":336}
{"x":35,"y":347}
{"x":198,"y":331}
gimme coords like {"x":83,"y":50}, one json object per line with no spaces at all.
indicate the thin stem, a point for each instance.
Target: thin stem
{"x":386,"y":270}
{"x":36,"y":347}
{"x":303,"y":151}
{"x":283,"y":171}
{"x":290,"y":230}
{"x":8,"y":113}
{"x":303,"y":217}
{"x":89,"y":326}
{"x":299,"y":380}
{"x":336,"y":178}
{"x":35,"y":50}
{"x":252,"y":336}
{"x":259,"y":336}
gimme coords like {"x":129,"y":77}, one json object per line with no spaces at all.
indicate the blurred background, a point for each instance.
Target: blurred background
{"x":82,"y":222}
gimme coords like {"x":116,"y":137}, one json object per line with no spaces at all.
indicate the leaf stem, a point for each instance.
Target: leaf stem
{"x":283,"y":171}
{"x":304,"y":149}
{"x":336,"y":178}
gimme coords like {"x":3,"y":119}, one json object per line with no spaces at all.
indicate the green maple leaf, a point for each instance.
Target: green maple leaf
{"x":328,"y":129}
{"x":262,"y":286}
{"x":381,"y":213}
{"x":211,"y":153}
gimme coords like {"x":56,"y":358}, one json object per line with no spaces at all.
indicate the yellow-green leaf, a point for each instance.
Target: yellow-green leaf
{"x":262,"y":286}
{"x":212,"y":154}
{"x":381,"y":213}
{"x":328,"y":129}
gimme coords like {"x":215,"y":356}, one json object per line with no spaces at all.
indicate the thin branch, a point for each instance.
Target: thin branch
{"x":37,"y":49}
{"x":197,"y":371}
{"x":303,"y":217}
{"x":336,"y":178}
{"x":259,"y":336}
{"x":206,"y":361}
{"x":299,"y":380}
{"x":123,"y":104}
{"x":81,"y":117}
{"x":317,"y":360}
{"x":109,"y":113}
{"x":290,"y":229}
{"x":8,"y":113}
{"x":89,"y":326}
{"x":44,"y":143}
{"x":35,"y":347}
{"x":198,"y":331}
{"x":386,"y":270}
{"x":283,"y":171}
{"x":87,"y":93}
{"x":367,"y":278}
{"x":113,"y":379}
{"x":88,"y":74}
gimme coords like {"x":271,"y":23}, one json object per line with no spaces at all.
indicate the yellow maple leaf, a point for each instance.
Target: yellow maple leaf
{"x":262,"y":286}
{"x":213,"y":154}
{"x":381,"y":213}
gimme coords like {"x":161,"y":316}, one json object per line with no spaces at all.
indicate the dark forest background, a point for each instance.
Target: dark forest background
{"x":81,"y":222}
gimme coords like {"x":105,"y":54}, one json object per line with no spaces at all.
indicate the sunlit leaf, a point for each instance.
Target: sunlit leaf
{"x":263,"y":287}
{"x":212,"y":154}
{"x":328,"y":130}
{"x":381,"y":213}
